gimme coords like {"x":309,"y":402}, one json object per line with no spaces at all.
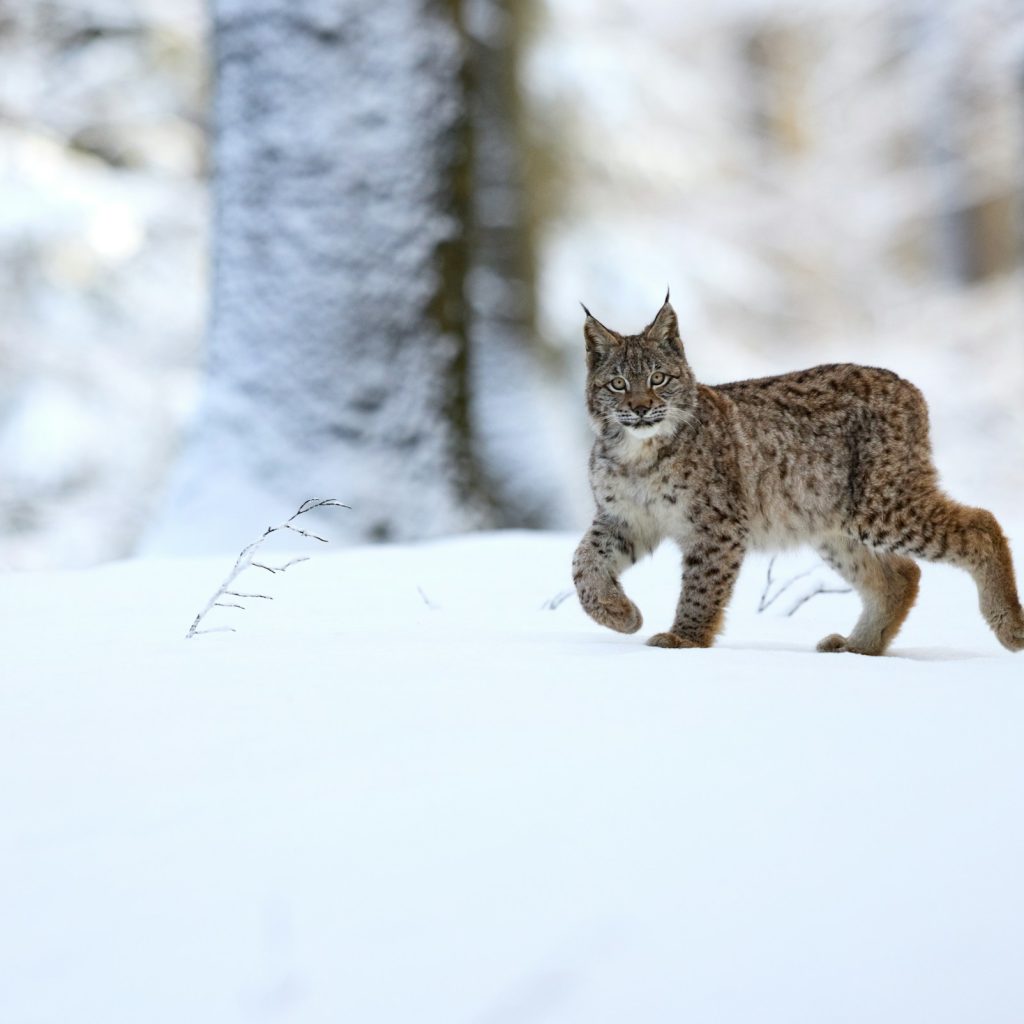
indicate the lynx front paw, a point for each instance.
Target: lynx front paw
{"x":611,"y":608}
{"x":1011,"y":634}
{"x":670,"y":640}
{"x":836,"y":644}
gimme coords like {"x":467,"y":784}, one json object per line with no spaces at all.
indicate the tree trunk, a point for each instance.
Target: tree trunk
{"x":337,"y":354}
{"x":507,"y":399}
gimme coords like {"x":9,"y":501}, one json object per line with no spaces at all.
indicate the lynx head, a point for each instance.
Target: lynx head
{"x":638,"y":384}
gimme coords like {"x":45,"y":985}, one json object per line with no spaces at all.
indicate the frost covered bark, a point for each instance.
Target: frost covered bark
{"x":338,"y":342}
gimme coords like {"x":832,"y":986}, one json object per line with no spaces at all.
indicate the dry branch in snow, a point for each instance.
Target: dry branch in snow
{"x":552,"y":603}
{"x":821,"y":588}
{"x":770,"y":596}
{"x":246,"y":560}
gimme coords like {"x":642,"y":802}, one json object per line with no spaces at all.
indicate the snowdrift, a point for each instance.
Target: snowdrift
{"x":415,"y":788}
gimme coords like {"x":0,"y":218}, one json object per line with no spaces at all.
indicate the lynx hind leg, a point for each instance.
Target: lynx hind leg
{"x":887,"y":585}
{"x":945,"y":531}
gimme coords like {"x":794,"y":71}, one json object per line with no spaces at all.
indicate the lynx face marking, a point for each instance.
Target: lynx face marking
{"x":836,"y":456}
{"x":640,"y":383}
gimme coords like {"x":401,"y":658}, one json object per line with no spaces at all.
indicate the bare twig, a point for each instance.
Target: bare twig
{"x":280,"y":568}
{"x":821,"y":588}
{"x":426,"y":600}
{"x":553,"y":602}
{"x":770,"y":596}
{"x":766,"y":600}
{"x":311,"y":503}
{"x":247,"y":560}
{"x":305,"y":533}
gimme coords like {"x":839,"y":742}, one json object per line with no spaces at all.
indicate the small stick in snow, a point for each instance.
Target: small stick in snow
{"x":246,"y":560}
{"x":553,"y":602}
{"x":819,"y":589}
{"x":287,"y":565}
{"x":304,"y":533}
{"x":768,"y":598}
{"x":426,"y":600}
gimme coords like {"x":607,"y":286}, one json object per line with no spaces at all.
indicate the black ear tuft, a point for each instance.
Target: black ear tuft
{"x":665,"y":326}
{"x":600,"y":340}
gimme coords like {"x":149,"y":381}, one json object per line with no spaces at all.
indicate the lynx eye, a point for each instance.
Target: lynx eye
{"x":658,"y":378}
{"x":618,"y":384}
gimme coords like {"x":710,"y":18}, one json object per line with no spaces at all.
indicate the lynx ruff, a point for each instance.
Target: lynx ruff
{"x":836,"y":456}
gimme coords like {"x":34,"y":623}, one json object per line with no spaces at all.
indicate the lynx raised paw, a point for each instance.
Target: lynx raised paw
{"x":612,"y":609}
{"x":670,"y":640}
{"x":836,"y":644}
{"x":620,"y":614}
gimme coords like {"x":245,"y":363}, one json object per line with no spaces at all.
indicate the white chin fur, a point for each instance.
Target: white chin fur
{"x":645,"y":430}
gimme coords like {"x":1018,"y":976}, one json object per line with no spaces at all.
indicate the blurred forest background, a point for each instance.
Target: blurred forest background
{"x":262,"y":250}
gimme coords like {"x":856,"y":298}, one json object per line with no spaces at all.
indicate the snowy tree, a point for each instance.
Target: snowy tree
{"x":338,"y":345}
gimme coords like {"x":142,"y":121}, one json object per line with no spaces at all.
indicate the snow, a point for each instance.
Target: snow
{"x":405,"y":791}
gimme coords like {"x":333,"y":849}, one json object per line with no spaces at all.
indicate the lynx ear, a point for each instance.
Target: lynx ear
{"x":665,"y":326}
{"x":600,"y":340}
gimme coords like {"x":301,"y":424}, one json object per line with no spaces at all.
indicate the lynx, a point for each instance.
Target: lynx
{"x":836,"y":456}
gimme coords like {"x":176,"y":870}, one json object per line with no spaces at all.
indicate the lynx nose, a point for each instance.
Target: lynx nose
{"x":642,"y":410}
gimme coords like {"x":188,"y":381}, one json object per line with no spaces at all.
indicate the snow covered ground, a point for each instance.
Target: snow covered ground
{"x":404,"y":791}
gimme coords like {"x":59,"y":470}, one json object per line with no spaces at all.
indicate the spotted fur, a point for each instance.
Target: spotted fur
{"x":836,"y":456}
